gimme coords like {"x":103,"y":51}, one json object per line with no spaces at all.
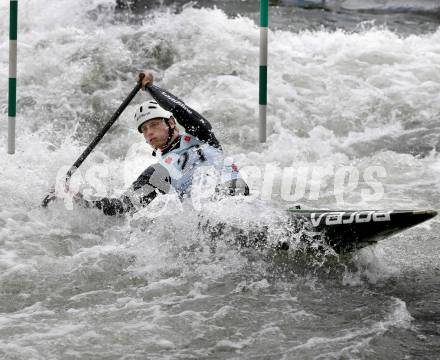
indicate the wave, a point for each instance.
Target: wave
{"x":376,"y":6}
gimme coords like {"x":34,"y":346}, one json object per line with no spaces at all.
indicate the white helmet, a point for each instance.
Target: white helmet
{"x":149,"y":110}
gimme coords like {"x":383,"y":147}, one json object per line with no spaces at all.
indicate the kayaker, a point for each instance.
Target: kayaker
{"x":181,"y":155}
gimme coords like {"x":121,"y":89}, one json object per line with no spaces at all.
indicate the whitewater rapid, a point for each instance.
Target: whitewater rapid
{"x":77,"y":284}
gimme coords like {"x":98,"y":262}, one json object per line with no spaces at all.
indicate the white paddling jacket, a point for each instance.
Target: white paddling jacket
{"x":196,"y":152}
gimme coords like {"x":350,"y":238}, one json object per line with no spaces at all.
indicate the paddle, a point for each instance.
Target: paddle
{"x":51,"y":196}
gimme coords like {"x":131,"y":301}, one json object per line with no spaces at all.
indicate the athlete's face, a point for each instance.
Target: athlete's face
{"x":156,"y":132}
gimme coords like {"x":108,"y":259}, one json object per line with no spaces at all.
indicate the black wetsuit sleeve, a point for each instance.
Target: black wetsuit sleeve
{"x":194,"y":123}
{"x":110,"y":206}
{"x":153,"y":181}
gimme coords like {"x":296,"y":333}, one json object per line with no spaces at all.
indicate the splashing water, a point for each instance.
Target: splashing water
{"x":77,"y":284}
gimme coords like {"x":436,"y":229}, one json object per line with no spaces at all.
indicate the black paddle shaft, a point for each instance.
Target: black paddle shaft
{"x":97,"y":139}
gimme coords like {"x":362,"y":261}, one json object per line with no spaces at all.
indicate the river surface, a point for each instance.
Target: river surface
{"x":352,"y":87}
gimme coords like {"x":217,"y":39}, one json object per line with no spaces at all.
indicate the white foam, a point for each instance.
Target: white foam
{"x":328,"y":92}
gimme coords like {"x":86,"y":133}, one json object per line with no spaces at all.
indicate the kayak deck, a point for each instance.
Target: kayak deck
{"x":348,"y":230}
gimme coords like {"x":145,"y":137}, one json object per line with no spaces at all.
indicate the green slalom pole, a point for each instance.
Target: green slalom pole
{"x":12,"y":97}
{"x":264,"y":23}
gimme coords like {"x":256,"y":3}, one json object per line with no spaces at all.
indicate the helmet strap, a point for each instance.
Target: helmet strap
{"x":170,"y":132}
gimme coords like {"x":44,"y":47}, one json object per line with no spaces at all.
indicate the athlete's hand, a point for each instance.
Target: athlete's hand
{"x":146,"y":80}
{"x":78,"y":198}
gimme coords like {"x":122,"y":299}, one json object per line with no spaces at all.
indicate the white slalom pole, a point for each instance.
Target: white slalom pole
{"x":12,"y":88}
{"x":264,"y":23}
